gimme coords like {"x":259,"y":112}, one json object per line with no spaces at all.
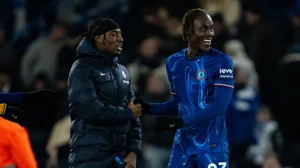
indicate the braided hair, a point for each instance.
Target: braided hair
{"x":188,"y":19}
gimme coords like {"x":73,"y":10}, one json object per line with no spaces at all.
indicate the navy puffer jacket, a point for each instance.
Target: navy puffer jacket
{"x":99,"y":92}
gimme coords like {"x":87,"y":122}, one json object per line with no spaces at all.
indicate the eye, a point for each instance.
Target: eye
{"x":202,"y":29}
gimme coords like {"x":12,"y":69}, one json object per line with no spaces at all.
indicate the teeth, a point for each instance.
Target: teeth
{"x":207,"y":41}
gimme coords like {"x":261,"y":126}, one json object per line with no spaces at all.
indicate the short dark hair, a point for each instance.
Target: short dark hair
{"x":188,"y":19}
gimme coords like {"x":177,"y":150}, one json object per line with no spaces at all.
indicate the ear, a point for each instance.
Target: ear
{"x":189,"y":32}
{"x":99,"y":39}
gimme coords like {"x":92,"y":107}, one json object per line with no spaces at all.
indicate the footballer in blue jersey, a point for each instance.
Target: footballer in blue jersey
{"x":201,"y":81}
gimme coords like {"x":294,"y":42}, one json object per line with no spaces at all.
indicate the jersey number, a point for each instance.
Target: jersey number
{"x":212,"y":165}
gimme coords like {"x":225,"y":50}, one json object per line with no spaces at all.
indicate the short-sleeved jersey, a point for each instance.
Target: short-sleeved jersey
{"x":192,"y":83}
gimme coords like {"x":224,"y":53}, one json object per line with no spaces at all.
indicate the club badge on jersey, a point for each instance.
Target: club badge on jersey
{"x":201,"y":74}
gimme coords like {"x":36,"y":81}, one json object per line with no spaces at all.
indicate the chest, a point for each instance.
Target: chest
{"x":112,"y":84}
{"x":194,"y":75}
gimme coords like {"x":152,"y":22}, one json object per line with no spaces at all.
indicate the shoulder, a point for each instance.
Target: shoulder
{"x":7,"y":126}
{"x":80,"y":65}
{"x":176,"y":56}
{"x":221,"y":57}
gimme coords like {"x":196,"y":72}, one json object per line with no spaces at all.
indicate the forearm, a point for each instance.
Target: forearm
{"x":98,"y":112}
{"x":217,"y":107}
{"x":134,"y":138}
{"x":11,"y":98}
{"x":212,"y":111}
{"x":166,"y":108}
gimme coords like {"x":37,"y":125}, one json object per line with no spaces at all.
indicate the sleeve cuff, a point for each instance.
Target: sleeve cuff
{"x":128,"y":113}
{"x":185,"y":120}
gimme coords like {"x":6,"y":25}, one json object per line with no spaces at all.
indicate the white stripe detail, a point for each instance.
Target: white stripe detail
{"x":219,"y":84}
{"x":172,"y":93}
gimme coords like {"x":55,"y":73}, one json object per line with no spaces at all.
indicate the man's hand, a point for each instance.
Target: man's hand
{"x":52,"y":151}
{"x":167,"y":123}
{"x":145,"y":105}
{"x":130,"y":160}
{"x":13,"y":114}
{"x":136,"y":109}
{"x":39,"y":96}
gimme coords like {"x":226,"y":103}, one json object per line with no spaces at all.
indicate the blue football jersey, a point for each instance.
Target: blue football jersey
{"x":193,"y":83}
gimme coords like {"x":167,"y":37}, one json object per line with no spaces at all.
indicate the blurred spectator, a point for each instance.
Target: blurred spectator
{"x":58,"y":142}
{"x":171,"y":40}
{"x":6,"y":51}
{"x":9,"y":16}
{"x":59,"y":138}
{"x":148,"y":21}
{"x":43,"y":54}
{"x":265,"y":130}
{"x":7,"y":84}
{"x":221,"y":32}
{"x":230,"y":9}
{"x":147,"y":60}
{"x":235,"y":49}
{"x":241,"y":114}
{"x":294,"y":43}
{"x":156,"y":151}
{"x":39,"y":121}
{"x":271,"y":161}
{"x":66,"y":57}
{"x":262,"y":47}
{"x":285,"y":102}
{"x":41,"y":14}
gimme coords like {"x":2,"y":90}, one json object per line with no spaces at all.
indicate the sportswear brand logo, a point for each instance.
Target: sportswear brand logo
{"x":222,"y":71}
{"x":126,"y":81}
{"x":172,"y":125}
{"x":102,"y":74}
{"x":173,"y":77}
{"x":124,"y":74}
{"x":15,"y":117}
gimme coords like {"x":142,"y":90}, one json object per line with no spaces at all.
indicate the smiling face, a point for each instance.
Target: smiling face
{"x":111,"y":42}
{"x":201,"y":33}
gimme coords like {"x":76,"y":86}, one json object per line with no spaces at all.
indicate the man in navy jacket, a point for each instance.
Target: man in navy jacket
{"x":104,"y":118}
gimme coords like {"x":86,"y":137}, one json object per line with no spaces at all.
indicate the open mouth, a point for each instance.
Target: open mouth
{"x":119,"y":48}
{"x":207,"y":42}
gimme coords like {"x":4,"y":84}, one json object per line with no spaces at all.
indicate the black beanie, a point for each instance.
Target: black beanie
{"x":101,"y":26}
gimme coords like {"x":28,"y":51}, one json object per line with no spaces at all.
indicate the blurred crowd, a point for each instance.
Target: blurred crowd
{"x":38,"y":41}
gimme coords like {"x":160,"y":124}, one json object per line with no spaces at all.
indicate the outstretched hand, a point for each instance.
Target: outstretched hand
{"x":145,"y":106}
{"x":39,"y":96}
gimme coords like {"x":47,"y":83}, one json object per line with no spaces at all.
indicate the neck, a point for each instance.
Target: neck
{"x":193,"y":53}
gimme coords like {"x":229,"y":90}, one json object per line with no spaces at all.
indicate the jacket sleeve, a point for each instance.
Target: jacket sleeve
{"x":83,"y":98}
{"x":11,"y":98}
{"x":134,"y":138}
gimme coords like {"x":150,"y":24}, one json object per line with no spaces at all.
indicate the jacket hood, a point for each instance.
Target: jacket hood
{"x":87,"y":49}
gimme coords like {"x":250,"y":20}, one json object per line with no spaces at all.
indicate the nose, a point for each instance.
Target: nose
{"x":120,"y":39}
{"x":210,"y":32}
